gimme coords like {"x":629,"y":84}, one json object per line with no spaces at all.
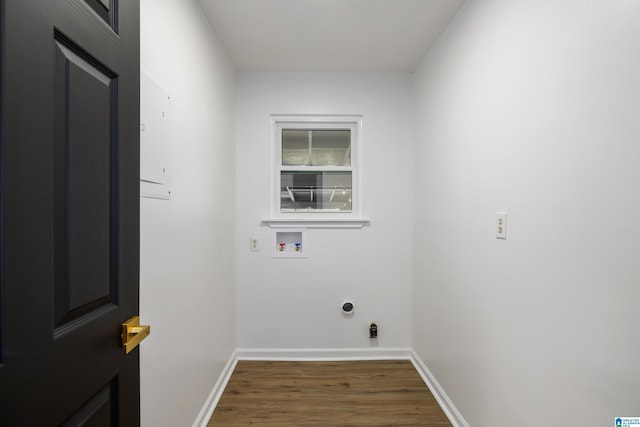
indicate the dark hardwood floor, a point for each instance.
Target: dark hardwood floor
{"x":358,"y":393}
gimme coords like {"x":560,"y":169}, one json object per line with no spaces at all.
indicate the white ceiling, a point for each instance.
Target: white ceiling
{"x":328,"y":35}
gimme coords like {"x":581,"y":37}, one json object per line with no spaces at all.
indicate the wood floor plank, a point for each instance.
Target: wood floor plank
{"x":328,"y":394}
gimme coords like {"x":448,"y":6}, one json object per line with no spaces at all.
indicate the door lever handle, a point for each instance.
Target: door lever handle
{"x":133,"y":333}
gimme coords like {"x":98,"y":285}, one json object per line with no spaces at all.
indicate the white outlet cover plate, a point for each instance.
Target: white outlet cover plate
{"x":501,"y":225}
{"x":254,"y":243}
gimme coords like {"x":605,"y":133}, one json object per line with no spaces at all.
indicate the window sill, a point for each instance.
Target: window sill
{"x":315,"y":223}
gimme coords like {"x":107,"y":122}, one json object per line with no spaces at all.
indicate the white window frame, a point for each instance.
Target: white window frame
{"x":348,"y":219}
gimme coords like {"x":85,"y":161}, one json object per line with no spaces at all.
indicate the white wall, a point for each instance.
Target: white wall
{"x":295,"y":303}
{"x":187,"y":257}
{"x":532,"y":107}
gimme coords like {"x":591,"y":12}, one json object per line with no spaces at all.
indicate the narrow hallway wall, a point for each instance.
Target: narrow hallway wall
{"x":532,"y":108}
{"x":187,"y":261}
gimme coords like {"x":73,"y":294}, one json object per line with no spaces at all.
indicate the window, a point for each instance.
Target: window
{"x":316,"y":172}
{"x":316,"y":167}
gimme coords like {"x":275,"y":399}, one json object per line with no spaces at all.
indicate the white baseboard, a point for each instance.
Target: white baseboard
{"x":317,"y":354}
{"x":212,"y":401}
{"x":330,"y":355}
{"x":441,"y":397}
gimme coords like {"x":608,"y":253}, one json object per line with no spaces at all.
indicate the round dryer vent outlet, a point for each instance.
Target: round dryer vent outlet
{"x":347,"y":307}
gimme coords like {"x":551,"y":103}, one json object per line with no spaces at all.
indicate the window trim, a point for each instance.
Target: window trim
{"x":346,"y":219}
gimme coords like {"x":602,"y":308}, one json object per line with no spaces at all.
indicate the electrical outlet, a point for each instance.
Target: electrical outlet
{"x":501,"y":225}
{"x":373,"y":330}
{"x":254,"y":243}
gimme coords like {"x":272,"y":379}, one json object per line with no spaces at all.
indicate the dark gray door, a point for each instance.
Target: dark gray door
{"x":69,"y":230}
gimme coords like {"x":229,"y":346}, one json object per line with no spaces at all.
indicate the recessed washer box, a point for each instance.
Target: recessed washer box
{"x":289,"y":243}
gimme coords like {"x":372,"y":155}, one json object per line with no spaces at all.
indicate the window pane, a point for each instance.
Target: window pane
{"x":331,"y":147}
{"x":295,"y":147}
{"x":315,"y":191}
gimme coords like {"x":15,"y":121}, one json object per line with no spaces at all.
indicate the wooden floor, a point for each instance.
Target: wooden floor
{"x":362,"y":393}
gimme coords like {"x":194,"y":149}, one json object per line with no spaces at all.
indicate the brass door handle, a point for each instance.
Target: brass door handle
{"x":133,"y":333}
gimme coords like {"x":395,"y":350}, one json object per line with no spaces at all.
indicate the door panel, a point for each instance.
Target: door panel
{"x":69,"y":210}
{"x":84,"y":187}
{"x":99,"y":410}
{"x":107,"y":10}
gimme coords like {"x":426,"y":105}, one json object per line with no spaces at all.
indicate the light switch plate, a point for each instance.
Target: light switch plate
{"x":501,"y":225}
